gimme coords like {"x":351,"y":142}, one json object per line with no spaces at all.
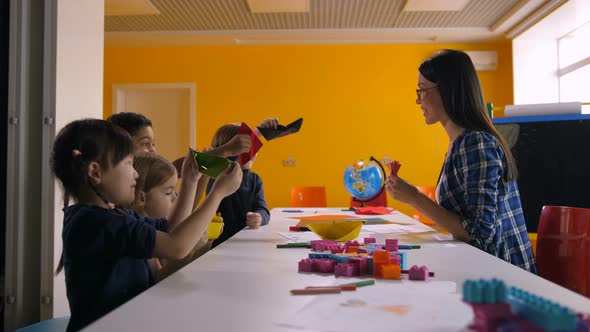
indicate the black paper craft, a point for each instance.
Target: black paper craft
{"x":280,"y":131}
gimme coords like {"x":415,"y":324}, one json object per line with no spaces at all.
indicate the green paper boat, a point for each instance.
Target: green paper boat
{"x":210,"y":165}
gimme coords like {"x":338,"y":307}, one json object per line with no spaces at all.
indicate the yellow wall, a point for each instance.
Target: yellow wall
{"x":356,"y":101}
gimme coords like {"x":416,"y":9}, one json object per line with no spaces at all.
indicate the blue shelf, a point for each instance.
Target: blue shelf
{"x":541,"y":118}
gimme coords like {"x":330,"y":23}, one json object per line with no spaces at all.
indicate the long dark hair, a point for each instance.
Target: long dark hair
{"x":79,"y":143}
{"x":462,"y":97}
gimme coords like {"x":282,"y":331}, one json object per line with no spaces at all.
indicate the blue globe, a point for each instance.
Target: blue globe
{"x":363,"y":179}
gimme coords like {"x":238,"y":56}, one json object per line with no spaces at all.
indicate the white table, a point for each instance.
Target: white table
{"x":243,"y":285}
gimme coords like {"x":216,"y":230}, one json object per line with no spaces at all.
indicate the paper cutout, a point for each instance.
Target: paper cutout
{"x":394,"y":167}
{"x":210,"y":165}
{"x":374,"y":210}
{"x":337,"y":230}
{"x":256,"y":144}
{"x":280,"y":131}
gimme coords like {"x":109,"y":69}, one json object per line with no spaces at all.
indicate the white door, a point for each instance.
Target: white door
{"x":170,"y":107}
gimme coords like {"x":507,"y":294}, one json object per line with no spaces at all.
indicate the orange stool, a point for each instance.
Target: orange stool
{"x":429,"y":191}
{"x":562,"y":247}
{"x":308,"y":197}
{"x":380,"y":200}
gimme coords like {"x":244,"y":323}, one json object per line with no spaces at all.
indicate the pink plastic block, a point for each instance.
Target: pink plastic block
{"x":346,"y":270}
{"x":306,"y":265}
{"x":391,"y":244}
{"x":370,"y":240}
{"x":325,"y":265}
{"x":362,"y":263}
{"x":418,"y":273}
{"x":487,"y":317}
{"x":394,"y":259}
{"x":353,"y":243}
{"x":320,"y":245}
{"x":335,"y":248}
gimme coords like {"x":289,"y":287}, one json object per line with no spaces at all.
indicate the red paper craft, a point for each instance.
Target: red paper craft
{"x":394,"y":167}
{"x":373,"y":210}
{"x":256,"y":144}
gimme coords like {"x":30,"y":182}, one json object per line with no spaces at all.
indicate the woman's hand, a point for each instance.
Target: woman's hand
{"x":401,"y":190}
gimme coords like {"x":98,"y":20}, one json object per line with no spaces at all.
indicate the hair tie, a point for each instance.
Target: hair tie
{"x":76,"y":153}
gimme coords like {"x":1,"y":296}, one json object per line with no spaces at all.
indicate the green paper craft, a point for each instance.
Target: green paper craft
{"x":210,"y":165}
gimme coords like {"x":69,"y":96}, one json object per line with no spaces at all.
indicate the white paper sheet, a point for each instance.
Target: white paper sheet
{"x":404,"y":306}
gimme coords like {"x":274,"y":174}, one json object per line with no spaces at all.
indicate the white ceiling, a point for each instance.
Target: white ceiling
{"x":326,"y":21}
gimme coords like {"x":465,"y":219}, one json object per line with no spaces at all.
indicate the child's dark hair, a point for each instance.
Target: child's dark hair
{"x":81,"y":142}
{"x":132,"y":122}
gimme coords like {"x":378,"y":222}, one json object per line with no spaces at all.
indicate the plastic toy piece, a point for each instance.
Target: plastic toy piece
{"x":210,"y":165}
{"x":430,"y":273}
{"x":368,"y":240}
{"x":543,"y":313}
{"x":346,"y":270}
{"x":325,"y":265}
{"x":320,"y":245}
{"x":391,"y":272}
{"x":391,"y":244}
{"x":306,"y":265}
{"x":299,"y":229}
{"x":407,"y":247}
{"x":418,"y":273}
{"x":362,"y":263}
{"x":342,"y":287}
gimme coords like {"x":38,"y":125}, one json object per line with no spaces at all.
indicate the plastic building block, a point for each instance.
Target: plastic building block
{"x":489,"y":316}
{"x":306,"y":265}
{"x":352,"y":249}
{"x":353,"y":243}
{"x":391,"y":272}
{"x":346,"y":270}
{"x":373,"y":246}
{"x":403,"y":260}
{"x":325,"y":265}
{"x":370,"y":240}
{"x":391,"y":244}
{"x":418,"y":273}
{"x":482,"y":291}
{"x":320,"y":245}
{"x":362,"y":263}
{"x":542,"y":312}
{"x":381,"y":256}
{"x":395,"y":259}
{"x":335,"y":248}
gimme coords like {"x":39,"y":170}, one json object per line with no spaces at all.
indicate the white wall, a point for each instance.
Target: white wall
{"x":79,"y":92}
{"x":535,"y":57}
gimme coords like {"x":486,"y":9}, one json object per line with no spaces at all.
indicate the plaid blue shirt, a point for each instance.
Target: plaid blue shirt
{"x":471,"y":186}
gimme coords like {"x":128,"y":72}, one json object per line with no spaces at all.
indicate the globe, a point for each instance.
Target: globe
{"x":364,"y":179}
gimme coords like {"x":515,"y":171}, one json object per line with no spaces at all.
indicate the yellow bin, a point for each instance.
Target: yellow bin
{"x":215,"y":227}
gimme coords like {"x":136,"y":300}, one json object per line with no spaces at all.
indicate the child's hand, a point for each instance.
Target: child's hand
{"x":203,"y":240}
{"x":237,"y":145}
{"x":189,"y":169}
{"x":401,"y":190}
{"x":253,"y":220}
{"x":229,"y":181}
{"x":269,"y":123}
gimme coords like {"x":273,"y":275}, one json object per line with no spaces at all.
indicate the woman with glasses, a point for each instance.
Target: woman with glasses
{"x":477,"y":194}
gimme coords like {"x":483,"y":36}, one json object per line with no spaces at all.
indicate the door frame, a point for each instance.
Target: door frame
{"x":119,"y":90}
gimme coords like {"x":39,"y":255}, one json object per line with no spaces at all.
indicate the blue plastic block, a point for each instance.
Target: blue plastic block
{"x":340,"y":258}
{"x":484,"y":291}
{"x":541,"y":312}
{"x":403,"y":260}
{"x":321,"y":255}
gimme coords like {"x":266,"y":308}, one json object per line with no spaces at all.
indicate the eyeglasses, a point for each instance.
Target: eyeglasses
{"x":420,"y":91}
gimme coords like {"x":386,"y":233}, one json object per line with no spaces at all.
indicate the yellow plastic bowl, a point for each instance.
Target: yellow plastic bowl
{"x":337,"y":230}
